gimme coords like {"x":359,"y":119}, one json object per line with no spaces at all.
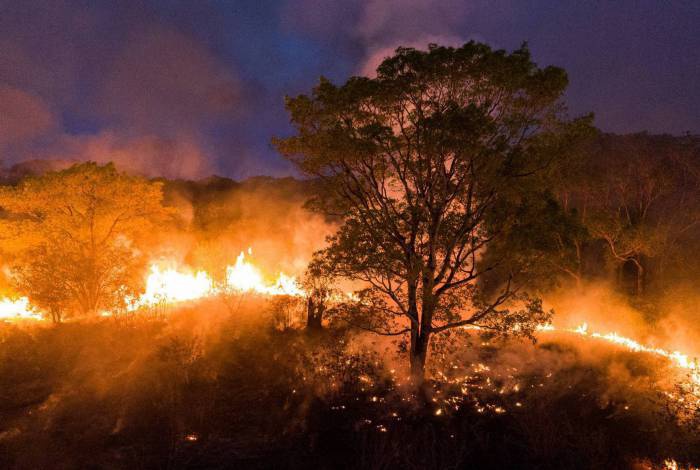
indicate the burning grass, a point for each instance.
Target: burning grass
{"x":168,"y":284}
{"x":205,"y":388}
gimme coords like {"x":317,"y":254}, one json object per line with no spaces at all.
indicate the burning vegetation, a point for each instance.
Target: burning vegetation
{"x":465,"y":277}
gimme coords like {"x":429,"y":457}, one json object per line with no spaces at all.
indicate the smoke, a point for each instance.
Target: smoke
{"x":386,"y":24}
{"x":164,"y":81}
{"x":376,"y":54}
{"x":112,"y":83}
{"x":23,"y":116}
{"x":669,"y":323}
{"x":378,"y":27}
{"x":149,"y":154}
{"x":218,"y":218}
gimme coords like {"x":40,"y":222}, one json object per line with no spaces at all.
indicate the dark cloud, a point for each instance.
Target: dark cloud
{"x":187,"y":88}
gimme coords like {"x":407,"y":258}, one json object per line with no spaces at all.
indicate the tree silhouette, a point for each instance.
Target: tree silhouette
{"x":427,"y":165}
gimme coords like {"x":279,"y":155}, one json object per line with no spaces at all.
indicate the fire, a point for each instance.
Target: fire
{"x":172,"y":286}
{"x":245,"y":277}
{"x":677,"y":358}
{"x":18,"y":309}
{"x":167,"y":286}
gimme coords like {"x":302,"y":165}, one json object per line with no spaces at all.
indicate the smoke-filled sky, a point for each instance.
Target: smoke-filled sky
{"x":192,"y":88}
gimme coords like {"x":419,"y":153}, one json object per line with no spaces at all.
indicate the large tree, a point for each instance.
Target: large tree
{"x":428,"y":165}
{"x":77,"y":236}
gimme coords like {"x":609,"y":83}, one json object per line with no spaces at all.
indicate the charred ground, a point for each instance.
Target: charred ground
{"x":207,"y":389}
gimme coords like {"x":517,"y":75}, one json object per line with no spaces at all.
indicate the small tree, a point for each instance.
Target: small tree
{"x":78,"y":236}
{"x":318,"y":285}
{"x":286,"y":310}
{"x":427,"y":164}
{"x":43,"y":278}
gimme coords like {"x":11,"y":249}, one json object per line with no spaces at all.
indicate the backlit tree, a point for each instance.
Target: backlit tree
{"x":77,"y":236}
{"x":427,"y":165}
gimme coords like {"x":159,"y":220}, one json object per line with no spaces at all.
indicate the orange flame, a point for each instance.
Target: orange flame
{"x":173,"y":286}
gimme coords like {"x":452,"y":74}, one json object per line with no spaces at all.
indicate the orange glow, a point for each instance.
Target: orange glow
{"x":176,"y":285}
{"x":677,"y":358}
{"x":18,"y":309}
{"x":245,"y":277}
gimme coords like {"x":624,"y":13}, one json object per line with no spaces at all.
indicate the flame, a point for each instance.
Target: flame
{"x":173,"y":286}
{"x":671,"y":464}
{"x":677,"y":358}
{"x":18,"y":309}
{"x":245,"y":277}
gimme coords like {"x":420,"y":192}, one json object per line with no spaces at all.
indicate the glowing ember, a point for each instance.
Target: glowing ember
{"x":671,"y":464}
{"x":18,"y":309}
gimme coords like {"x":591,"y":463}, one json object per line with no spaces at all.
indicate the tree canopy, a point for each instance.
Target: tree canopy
{"x":428,"y":165}
{"x":77,"y":236}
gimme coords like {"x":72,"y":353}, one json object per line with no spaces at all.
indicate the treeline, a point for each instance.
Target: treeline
{"x":625,"y":209}
{"x":633,"y":203}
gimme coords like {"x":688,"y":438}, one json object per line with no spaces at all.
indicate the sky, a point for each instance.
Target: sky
{"x":194,"y":88}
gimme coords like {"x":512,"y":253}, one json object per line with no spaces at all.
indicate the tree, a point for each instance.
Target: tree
{"x":318,"y":285}
{"x":286,"y":310}
{"x":640,"y":198}
{"x":427,"y":165}
{"x":549,"y":241}
{"x":78,"y":236}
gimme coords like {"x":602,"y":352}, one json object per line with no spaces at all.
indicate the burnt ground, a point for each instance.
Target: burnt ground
{"x":204,"y":389}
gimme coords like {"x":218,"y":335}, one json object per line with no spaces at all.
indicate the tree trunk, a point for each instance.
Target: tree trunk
{"x":314,"y":314}
{"x":418,"y":353}
{"x":56,"y":316}
{"x":579,"y":266}
{"x":639,"y":284}
{"x":420,"y":340}
{"x":417,"y":363}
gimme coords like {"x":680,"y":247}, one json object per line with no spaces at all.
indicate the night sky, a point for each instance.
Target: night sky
{"x":188,"y":89}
